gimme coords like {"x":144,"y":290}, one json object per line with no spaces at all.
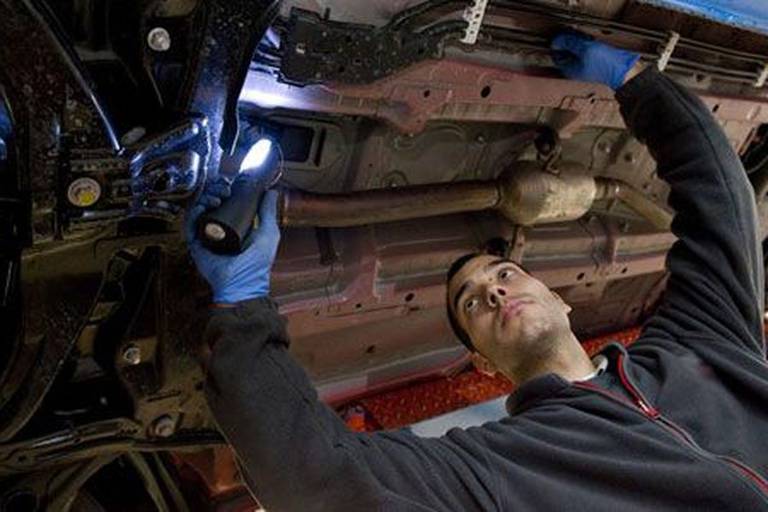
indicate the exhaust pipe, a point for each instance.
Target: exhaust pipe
{"x":526,"y":195}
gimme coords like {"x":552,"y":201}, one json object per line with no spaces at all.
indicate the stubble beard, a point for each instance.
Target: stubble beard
{"x":535,"y":344}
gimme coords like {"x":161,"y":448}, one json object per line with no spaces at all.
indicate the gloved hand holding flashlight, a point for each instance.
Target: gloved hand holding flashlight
{"x":244,"y":276}
{"x":225,"y":228}
{"x":239,"y":266}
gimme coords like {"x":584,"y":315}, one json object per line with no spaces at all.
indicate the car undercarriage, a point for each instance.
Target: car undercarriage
{"x":410,"y":133}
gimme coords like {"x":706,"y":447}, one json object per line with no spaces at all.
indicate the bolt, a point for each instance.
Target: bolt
{"x":159,"y":39}
{"x":301,"y":48}
{"x":132,"y":354}
{"x":164,"y":426}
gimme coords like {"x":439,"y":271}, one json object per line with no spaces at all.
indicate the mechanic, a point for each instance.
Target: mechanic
{"x":676,"y":422}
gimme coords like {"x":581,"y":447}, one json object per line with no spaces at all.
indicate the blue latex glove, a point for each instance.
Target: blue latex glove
{"x":581,"y":58}
{"x":246,"y":275}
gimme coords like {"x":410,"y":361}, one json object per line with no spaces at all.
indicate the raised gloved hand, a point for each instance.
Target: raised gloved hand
{"x":581,"y":58}
{"x":246,"y":275}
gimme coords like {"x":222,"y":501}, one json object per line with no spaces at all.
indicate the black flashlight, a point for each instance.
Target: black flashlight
{"x":224,"y":229}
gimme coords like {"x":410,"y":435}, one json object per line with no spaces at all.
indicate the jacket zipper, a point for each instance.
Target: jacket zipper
{"x":742,"y":470}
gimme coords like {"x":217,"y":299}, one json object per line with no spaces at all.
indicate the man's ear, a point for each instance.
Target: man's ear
{"x":565,"y":305}
{"x":483,"y":365}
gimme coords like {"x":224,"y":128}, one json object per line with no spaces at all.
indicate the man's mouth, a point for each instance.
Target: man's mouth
{"x":511,"y":309}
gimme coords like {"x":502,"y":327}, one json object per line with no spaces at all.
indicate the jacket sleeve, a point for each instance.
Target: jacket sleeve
{"x":716,"y":285}
{"x":295,"y":451}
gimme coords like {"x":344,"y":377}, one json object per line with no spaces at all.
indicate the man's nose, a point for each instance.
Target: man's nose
{"x":493,"y":295}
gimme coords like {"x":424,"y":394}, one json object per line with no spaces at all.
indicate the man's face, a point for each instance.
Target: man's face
{"x":512,"y":318}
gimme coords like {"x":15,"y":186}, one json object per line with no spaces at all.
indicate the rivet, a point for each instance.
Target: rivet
{"x":159,"y":39}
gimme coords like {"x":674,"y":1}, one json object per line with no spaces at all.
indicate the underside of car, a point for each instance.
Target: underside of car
{"x":410,"y":133}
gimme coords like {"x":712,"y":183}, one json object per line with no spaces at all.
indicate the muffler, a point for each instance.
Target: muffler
{"x":526,"y":195}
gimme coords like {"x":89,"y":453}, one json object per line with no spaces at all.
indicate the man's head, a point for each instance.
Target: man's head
{"x":509,"y":320}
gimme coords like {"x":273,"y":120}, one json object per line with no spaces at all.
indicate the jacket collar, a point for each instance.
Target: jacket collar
{"x":536,"y":389}
{"x":551,"y":384}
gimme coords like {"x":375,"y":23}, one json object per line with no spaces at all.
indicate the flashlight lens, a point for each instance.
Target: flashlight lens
{"x":257,"y":155}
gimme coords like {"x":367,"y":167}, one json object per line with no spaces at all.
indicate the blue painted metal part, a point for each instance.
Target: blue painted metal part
{"x":748,"y":14}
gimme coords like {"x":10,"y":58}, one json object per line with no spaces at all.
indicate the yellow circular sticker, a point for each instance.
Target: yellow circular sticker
{"x":84,"y":192}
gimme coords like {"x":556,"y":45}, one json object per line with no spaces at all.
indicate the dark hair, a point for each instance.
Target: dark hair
{"x":457,"y":329}
{"x":454,"y":269}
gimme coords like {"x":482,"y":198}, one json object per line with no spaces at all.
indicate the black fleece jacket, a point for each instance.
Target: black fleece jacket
{"x":689,"y":431}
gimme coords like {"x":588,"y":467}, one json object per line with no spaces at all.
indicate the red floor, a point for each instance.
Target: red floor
{"x":417,"y":402}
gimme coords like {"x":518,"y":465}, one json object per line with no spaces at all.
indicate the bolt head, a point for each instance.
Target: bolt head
{"x":132,"y":354}
{"x":164,"y":426}
{"x":159,"y":39}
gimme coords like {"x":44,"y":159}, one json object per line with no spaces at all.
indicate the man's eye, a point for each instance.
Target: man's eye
{"x":471,"y":304}
{"x":506,"y":273}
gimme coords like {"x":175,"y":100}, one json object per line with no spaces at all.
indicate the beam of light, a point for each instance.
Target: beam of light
{"x":257,"y":155}
{"x":265,"y":99}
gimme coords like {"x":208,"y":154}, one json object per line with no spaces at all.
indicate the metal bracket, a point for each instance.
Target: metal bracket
{"x":154,"y":178}
{"x":316,"y":50}
{"x":666,"y":53}
{"x":762,"y":77}
{"x":473,"y":15}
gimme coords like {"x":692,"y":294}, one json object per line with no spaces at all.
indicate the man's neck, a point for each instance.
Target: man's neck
{"x":568,"y":359}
